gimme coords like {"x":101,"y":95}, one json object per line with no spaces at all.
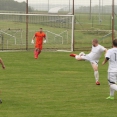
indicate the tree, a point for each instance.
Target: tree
{"x":11,"y":5}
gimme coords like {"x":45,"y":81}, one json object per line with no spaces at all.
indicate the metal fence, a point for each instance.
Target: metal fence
{"x":93,"y":18}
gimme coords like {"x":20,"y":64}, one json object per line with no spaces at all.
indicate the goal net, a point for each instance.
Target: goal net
{"x":18,"y":30}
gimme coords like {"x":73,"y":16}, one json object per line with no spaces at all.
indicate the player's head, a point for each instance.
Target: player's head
{"x":115,"y":42}
{"x":40,"y":29}
{"x":95,"y":42}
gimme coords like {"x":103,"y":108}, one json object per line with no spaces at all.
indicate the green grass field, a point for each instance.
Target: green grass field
{"x":55,"y":85}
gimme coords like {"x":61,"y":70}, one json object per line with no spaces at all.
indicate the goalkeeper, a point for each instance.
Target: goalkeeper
{"x":38,"y":37}
{"x":93,"y":57}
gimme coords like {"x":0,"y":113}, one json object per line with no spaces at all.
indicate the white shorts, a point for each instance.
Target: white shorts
{"x":87,"y":58}
{"x":112,"y":77}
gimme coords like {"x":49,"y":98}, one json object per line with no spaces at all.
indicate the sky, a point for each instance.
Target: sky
{"x":79,"y":2}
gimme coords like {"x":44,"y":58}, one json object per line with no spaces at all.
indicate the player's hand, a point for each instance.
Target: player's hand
{"x":103,"y":62}
{"x":3,"y":66}
{"x":32,"y":41}
{"x":44,"y":41}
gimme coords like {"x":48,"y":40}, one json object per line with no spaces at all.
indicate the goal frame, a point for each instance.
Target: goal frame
{"x":72,"y":23}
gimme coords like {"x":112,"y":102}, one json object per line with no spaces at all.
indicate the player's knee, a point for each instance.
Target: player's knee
{"x":95,"y":69}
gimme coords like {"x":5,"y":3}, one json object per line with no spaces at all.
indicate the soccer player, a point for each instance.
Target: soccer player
{"x":38,"y":37}
{"x":93,"y":57}
{"x":1,"y":62}
{"x":111,"y":56}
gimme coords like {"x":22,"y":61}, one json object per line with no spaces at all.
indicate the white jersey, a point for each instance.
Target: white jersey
{"x":112,"y":55}
{"x":96,"y":52}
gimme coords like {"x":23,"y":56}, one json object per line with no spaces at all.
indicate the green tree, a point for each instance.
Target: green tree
{"x":11,"y":5}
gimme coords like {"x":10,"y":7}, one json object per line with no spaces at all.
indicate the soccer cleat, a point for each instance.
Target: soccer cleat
{"x":36,"y":57}
{"x":110,"y":98}
{"x":72,"y":55}
{"x":97,"y":83}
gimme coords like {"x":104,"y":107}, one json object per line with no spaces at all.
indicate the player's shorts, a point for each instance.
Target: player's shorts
{"x":87,"y":58}
{"x":39,"y":46}
{"x":112,"y":77}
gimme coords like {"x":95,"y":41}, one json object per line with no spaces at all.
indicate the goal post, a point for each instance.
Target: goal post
{"x":1,"y":41}
{"x":59,"y":30}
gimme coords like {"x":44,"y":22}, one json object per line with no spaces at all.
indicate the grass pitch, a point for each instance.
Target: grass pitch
{"x":55,"y":85}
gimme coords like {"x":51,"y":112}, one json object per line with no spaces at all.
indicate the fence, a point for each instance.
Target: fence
{"x":93,"y":19}
{"x":58,"y":29}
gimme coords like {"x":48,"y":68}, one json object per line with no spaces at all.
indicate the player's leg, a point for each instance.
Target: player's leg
{"x":114,"y":86}
{"x":96,"y":73}
{"x":80,"y":54}
{"x":80,"y":57}
{"x":36,"y":53}
{"x":112,"y":78}
{"x":39,"y":49}
{"x":112,"y":91}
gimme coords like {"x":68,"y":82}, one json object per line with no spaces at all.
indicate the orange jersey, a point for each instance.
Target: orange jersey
{"x":39,"y":37}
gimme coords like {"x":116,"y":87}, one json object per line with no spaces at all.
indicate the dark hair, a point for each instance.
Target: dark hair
{"x":115,"y":42}
{"x":40,"y":28}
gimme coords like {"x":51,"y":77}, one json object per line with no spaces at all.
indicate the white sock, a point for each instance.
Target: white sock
{"x":112,"y":91}
{"x":81,"y":54}
{"x":114,"y":87}
{"x":96,"y":74}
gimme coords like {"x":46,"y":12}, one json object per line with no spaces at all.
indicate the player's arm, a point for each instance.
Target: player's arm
{"x":105,"y":51}
{"x":44,"y":38}
{"x":107,"y":56}
{"x":33,"y":39}
{"x":1,"y":62}
{"x":105,"y":60}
